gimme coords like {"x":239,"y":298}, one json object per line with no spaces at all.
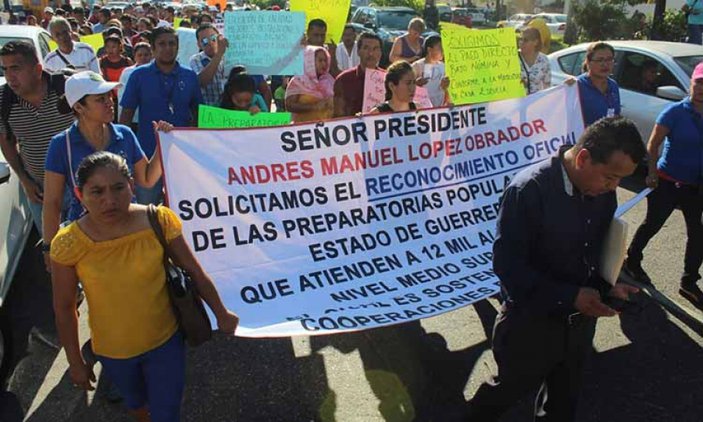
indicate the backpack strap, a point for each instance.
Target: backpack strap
{"x":8,"y":98}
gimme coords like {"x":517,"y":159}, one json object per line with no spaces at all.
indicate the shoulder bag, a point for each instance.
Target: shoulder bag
{"x":187,"y":304}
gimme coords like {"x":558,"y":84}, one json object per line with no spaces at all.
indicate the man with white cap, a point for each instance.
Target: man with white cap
{"x":70,"y":54}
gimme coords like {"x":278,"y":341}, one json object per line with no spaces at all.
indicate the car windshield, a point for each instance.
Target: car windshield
{"x":560,"y":18}
{"x":5,"y":40}
{"x":688,"y":63}
{"x":395,"y":20}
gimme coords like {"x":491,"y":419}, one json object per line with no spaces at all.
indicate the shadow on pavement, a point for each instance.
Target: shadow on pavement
{"x":413,"y":374}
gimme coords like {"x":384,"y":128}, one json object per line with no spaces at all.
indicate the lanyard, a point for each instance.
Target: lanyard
{"x":167,"y":90}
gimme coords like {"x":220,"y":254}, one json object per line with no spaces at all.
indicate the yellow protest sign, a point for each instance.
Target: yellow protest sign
{"x":482,"y":65}
{"x":94,"y":40}
{"x":333,"y":12}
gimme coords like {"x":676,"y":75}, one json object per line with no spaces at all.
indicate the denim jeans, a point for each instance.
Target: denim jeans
{"x":660,"y":204}
{"x":153,"y":195}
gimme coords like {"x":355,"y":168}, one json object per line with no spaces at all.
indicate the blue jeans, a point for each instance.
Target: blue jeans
{"x":153,"y":195}
{"x":695,"y":34}
{"x":36,"y":209}
{"x":155,"y":379}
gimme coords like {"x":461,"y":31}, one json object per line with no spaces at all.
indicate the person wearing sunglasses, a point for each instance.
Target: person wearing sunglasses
{"x":600,"y":95}
{"x":209,"y":63}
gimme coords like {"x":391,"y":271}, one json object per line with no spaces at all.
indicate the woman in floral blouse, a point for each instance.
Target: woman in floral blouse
{"x":535,"y":71}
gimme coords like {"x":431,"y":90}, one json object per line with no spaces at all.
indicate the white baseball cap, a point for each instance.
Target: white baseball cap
{"x":86,"y":83}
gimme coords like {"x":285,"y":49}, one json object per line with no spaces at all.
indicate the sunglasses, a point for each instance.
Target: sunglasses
{"x":207,"y":40}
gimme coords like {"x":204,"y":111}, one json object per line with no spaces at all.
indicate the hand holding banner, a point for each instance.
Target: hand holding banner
{"x":483,"y":65}
{"x":220,"y":118}
{"x":266,"y":42}
{"x":362,"y":222}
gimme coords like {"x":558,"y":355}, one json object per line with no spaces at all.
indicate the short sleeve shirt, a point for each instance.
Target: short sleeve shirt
{"x":682,"y":153}
{"x":82,"y":58}
{"x":122,"y":142}
{"x":349,"y":85}
{"x":539,"y":74}
{"x":595,"y":105}
{"x":125,"y":286}
{"x":212,"y":93}
{"x":696,"y":15}
{"x":160,"y":96}
{"x":33,"y":128}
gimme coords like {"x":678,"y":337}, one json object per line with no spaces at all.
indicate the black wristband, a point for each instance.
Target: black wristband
{"x":45,"y":247}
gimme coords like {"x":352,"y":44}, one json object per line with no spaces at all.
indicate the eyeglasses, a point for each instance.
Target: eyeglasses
{"x":207,"y":40}
{"x":609,"y":60}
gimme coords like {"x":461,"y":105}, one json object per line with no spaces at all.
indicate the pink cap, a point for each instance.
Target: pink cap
{"x":697,"y":72}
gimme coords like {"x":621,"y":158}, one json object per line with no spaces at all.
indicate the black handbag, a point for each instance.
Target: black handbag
{"x":185,"y":300}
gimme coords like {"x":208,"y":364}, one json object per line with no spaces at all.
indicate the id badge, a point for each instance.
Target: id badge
{"x":611,"y":112}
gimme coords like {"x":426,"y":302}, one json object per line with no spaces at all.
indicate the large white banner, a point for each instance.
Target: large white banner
{"x":357,"y":223}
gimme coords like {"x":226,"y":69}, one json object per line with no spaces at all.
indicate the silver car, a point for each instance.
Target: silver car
{"x":15,"y":219}
{"x":671,"y":65}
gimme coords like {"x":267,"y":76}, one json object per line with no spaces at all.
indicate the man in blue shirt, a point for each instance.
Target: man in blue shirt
{"x":599,"y":94}
{"x":677,"y":177}
{"x":552,"y":222}
{"x":162,"y":90}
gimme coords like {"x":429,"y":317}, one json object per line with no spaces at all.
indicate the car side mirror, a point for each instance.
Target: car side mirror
{"x":670,"y":93}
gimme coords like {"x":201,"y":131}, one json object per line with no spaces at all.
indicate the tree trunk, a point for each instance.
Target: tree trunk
{"x":659,"y":8}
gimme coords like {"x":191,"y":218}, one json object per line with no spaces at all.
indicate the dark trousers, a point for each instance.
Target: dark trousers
{"x":533,"y":351}
{"x":660,"y":204}
{"x":695,"y":34}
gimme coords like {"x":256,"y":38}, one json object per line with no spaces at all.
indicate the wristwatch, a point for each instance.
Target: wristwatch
{"x":45,"y":247}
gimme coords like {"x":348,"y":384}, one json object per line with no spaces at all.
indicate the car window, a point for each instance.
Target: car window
{"x":395,"y":20}
{"x":688,"y":63}
{"x":572,"y":64}
{"x":43,"y":44}
{"x":643,"y":73}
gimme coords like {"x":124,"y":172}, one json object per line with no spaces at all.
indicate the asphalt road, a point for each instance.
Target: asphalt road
{"x":644,"y":367}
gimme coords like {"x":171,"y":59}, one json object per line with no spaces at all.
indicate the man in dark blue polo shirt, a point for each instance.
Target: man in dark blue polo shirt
{"x":677,"y":176}
{"x":162,"y":90}
{"x":552,"y":222}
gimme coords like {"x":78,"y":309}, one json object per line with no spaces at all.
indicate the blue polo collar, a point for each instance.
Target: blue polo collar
{"x":154,"y":68}
{"x":77,"y":137}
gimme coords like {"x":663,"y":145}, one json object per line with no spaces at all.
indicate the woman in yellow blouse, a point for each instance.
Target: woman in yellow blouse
{"x":115,"y":254}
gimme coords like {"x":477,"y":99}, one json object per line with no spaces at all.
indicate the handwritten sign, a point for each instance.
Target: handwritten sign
{"x":482,"y":65}
{"x":333,"y":12}
{"x":374,"y":89}
{"x":220,"y":118}
{"x":266,"y":42}
{"x":94,"y":40}
{"x":422,"y":98}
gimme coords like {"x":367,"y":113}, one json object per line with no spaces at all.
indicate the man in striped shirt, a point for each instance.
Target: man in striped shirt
{"x":33,"y":119}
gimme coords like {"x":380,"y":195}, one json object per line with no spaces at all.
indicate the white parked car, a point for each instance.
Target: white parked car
{"x":556,"y":22}
{"x":515,"y":21}
{"x":15,"y":219}
{"x":641,"y":102}
{"x":34,"y":34}
{"x":477,"y":15}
